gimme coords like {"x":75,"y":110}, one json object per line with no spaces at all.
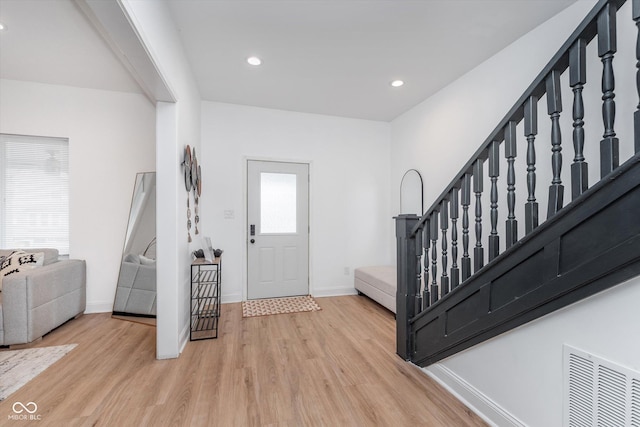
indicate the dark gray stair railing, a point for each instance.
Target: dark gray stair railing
{"x":425,"y":299}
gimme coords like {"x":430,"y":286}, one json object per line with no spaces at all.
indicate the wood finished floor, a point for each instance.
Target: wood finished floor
{"x":334,"y":367}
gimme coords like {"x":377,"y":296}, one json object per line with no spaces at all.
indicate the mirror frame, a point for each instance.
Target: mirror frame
{"x":421,"y":191}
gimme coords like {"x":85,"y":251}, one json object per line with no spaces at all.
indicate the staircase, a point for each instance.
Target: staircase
{"x":454,"y":293}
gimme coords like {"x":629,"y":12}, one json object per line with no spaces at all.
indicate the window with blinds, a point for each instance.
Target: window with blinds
{"x":34,"y":190}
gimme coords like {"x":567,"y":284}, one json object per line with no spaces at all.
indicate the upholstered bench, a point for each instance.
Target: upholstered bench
{"x":378,"y":282}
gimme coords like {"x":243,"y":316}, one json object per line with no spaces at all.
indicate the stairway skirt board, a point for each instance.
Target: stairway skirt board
{"x":589,"y":246}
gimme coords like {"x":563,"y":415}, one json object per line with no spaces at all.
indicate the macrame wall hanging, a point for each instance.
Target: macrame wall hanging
{"x":192,"y":181}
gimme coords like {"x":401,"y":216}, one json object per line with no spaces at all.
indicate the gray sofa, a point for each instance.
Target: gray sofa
{"x":35,"y":301}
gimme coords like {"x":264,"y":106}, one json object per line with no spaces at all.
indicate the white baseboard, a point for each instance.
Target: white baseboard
{"x":166,"y":356}
{"x":229,"y":298}
{"x":334,"y":292}
{"x":473,"y":398}
{"x":99,"y":307}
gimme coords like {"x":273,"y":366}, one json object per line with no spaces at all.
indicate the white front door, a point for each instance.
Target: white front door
{"x":277,"y":229}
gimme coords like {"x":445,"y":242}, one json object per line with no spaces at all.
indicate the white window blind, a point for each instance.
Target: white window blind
{"x":34,"y":190}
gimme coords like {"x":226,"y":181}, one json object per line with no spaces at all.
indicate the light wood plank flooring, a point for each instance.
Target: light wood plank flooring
{"x":335,"y":367}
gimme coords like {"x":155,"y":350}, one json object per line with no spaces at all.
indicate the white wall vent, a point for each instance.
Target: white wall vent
{"x":599,"y":393}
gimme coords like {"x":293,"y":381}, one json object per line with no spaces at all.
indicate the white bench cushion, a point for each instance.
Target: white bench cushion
{"x":378,"y":283}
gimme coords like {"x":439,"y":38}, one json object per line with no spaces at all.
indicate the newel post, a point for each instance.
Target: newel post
{"x":406,"y":272}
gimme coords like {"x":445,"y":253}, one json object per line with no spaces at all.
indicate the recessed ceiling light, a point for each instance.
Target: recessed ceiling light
{"x":397,"y":83}
{"x":254,"y":60}
{"x":2,"y":27}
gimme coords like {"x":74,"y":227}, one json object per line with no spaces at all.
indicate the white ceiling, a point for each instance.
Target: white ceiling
{"x":51,"y":41}
{"x":334,"y":57}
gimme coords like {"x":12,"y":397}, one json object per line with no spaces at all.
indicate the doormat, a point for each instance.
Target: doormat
{"x":18,"y":367}
{"x":265,"y":307}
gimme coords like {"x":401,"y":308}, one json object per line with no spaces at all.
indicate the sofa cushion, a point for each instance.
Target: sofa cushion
{"x":50,"y":254}
{"x":19,"y":261}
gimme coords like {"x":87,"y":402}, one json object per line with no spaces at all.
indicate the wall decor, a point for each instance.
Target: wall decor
{"x":192,"y":181}
{"x":188,"y":220}
{"x":194,"y":169}
{"x":186,"y":166}
{"x":196,"y":218}
{"x":199,"y":181}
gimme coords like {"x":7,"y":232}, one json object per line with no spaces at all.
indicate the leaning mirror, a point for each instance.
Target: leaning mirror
{"x":136,"y":290}
{"x":411,"y":198}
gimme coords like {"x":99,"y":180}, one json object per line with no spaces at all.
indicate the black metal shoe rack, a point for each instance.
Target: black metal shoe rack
{"x":205,"y":298}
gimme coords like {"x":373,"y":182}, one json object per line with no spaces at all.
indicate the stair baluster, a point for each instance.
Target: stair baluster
{"x":510,"y":150}
{"x":636,"y":114}
{"x":435,"y":293}
{"x":478,"y":251}
{"x":554,"y":108}
{"x":607,"y":47}
{"x":530,"y":131}
{"x":466,"y":201}
{"x":444,"y":224}
{"x":418,"y":295}
{"x":426,"y":243}
{"x":455,"y":271}
{"x":577,"y":80}
{"x":494,"y":172}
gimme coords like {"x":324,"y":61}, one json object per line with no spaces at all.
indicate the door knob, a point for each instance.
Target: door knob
{"x":252,"y":240}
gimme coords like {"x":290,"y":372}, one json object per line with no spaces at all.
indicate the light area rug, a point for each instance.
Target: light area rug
{"x":18,"y":367}
{"x":265,"y":307}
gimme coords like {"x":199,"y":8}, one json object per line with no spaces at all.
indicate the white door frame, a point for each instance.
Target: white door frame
{"x":245,"y":216}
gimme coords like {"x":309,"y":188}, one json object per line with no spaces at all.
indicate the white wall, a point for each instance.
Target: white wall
{"x":520,"y":372}
{"x":111,"y":138}
{"x":178,"y":124}
{"x":349,"y":188}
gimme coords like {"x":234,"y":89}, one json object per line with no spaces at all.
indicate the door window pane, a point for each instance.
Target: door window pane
{"x":278,"y":202}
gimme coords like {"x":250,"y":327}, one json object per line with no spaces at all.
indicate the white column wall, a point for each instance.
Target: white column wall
{"x":178,"y":124}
